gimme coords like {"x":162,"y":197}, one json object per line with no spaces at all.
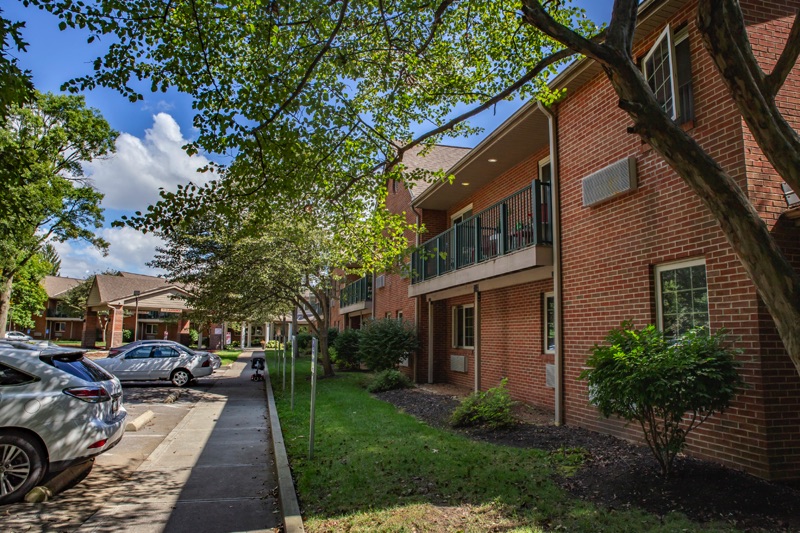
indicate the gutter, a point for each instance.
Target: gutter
{"x":557,"y":274}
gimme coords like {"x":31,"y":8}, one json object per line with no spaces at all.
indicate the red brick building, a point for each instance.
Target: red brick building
{"x":58,"y":322}
{"x":560,"y":225}
{"x":149,"y":306}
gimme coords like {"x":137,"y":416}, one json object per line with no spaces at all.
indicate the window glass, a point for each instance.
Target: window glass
{"x":164,"y":352}
{"x":683,"y":66}
{"x":141,"y":352}
{"x":667,"y":69}
{"x":82,"y":368}
{"x":464,"y":327}
{"x":12,"y":376}
{"x":682,"y":298}
{"x":658,"y":72}
{"x":549,"y":323}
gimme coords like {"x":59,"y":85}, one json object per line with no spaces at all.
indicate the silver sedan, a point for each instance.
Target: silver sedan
{"x":150,"y":362}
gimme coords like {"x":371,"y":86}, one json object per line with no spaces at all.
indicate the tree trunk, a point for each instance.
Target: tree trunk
{"x":325,"y":315}
{"x":777,"y":282}
{"x":5,"y":304}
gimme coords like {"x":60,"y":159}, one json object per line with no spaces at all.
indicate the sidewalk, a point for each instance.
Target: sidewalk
{"x":213,"y":473}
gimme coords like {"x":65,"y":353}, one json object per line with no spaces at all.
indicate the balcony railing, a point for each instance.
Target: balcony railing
{"x":519,"y":221}
{"x":356,"y":292}
{"x":64,"y":313}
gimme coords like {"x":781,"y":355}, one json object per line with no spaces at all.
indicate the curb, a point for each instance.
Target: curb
{"x":292,"y":520}
{"x":140,"y":421}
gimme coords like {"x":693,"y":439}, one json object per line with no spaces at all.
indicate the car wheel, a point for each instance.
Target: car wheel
{"x":21,"y":467}
{"x":181,"y":377}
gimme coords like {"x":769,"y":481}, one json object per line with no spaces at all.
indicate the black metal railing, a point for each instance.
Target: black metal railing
{"x":357,"y":291}
{"x":60,"y":312}
{"x":519,"y":221}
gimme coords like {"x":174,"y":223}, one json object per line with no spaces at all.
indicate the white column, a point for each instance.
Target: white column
{"x":242,"y":341}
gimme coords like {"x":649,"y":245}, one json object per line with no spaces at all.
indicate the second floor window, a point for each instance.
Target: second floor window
{"x":667,"y":68}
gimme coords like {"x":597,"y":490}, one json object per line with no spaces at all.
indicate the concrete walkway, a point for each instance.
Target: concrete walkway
{"x":214,"y":472}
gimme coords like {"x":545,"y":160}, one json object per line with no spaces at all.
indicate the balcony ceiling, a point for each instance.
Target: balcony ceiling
{"x":514,"y":141}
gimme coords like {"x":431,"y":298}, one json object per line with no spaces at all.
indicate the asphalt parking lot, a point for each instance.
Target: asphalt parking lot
{"x":112,"y":470}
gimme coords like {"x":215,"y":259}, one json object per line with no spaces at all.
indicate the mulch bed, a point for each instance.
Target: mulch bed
{"x":621,"y":475}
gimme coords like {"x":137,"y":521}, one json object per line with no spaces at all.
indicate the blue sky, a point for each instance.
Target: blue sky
{"x":151,"y":133}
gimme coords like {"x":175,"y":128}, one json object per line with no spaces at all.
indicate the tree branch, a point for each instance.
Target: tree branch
{"x":310,"y":70}
{"x":787,"y":60}
{"x":623,"y":25}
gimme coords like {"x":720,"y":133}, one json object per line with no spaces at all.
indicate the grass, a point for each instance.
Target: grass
{"x":375,"y":469}
{"x":228,"y":356}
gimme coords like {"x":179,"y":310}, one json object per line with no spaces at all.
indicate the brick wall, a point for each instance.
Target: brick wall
{"x":512,"y":342}
{"x":609,"y":252}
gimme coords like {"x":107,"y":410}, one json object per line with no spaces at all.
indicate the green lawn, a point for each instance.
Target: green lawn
{"x":375,"y":469}
{"x":228,"y":356}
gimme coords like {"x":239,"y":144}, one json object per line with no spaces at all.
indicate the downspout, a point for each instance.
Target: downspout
{"x":557,"y":275}
{"x":430,"y":341}
{"x":418,"y":307}
{"x":477,"y":333}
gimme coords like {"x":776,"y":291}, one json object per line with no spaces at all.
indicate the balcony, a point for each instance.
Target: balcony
{"x":66,"y":313}
{"x":519,"y":223}
{"x":356,"y":295}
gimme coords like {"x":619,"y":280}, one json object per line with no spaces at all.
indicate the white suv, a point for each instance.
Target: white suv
{"x":58,"y":409}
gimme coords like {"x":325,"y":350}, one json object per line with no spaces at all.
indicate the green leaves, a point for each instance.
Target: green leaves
{"x":669,"y":388}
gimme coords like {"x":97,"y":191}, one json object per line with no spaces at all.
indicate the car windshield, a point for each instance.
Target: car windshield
{"x":82,"y":368}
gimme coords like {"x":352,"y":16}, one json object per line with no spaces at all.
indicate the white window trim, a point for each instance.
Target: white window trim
{"x":459,"y":213}
{"x":674,"y":266}
{"x":544,"y":331}
{"x":667,"y":33}
{"x":543,"y":163}
{"x":454,"y":332}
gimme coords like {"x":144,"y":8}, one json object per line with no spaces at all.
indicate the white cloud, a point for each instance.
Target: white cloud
{"x":129,"y":250}
{"x":130,"y":178}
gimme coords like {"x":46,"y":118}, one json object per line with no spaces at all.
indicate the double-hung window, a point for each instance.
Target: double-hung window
{"x":667,"y":69}
{"x":150,"y":329}
{"x":681,"y":297}
{"x":464,"y":326}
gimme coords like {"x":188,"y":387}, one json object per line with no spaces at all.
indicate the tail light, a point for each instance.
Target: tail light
{"x":98,"y":444}
{"x":89,"y":394}
{"x":206,"y":363}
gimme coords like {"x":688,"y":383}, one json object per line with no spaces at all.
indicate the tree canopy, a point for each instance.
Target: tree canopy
{"x":319,"y":101}
{"x":46,"y":196}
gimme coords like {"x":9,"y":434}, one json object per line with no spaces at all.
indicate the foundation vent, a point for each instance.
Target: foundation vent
{"x":610,"y":182}
{"x":458,"y":363}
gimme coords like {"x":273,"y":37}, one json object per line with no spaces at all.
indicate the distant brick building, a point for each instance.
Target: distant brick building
{"x":560,"y":225}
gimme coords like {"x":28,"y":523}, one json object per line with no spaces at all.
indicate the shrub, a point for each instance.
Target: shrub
{"x":303,"y":343}
{"x":194,"y":335}
{"x":389,"y":380}
{"x":333,"y":333}
{"x":667,"y":387}
{"x":491,"y":409}
{"x":386,"y":342}
{"x":346,"y":346}
{"x":127,"y":335}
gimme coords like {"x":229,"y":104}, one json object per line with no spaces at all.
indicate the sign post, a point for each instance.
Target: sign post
{"x":294,"y":358}
{"x":313,"y":397}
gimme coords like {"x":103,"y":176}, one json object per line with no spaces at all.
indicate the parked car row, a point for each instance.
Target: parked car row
{"x":58,"y":409}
